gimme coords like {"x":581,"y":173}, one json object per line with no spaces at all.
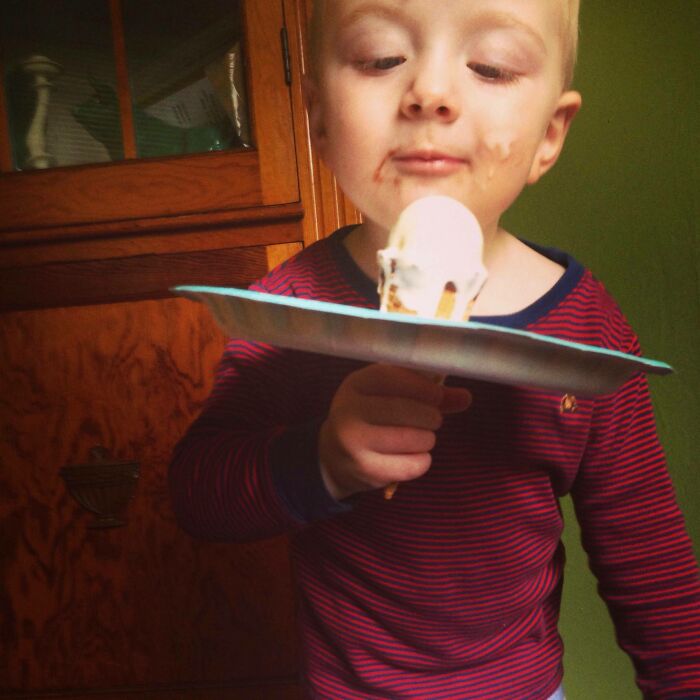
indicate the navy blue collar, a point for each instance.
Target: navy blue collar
{"x":573,"y":271}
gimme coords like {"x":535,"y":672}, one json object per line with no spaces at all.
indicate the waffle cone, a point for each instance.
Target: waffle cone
{"x":445,"y":311}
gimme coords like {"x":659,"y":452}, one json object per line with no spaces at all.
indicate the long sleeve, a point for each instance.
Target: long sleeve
{"x":247,"y":468}
{"x":638,"y":547}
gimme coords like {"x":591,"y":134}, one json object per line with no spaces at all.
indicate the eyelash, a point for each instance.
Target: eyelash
{"x":489,"y":73}
{"x":381,"y":65}
{"x":492,"y":74}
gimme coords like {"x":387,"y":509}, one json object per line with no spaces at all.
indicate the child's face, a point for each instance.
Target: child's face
{"x":457,"y":97}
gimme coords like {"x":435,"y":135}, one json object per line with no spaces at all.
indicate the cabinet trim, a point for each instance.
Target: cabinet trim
{"x":5,"y":146}
{"x":17,"y":247}
{"x":97,"y":194}
{"x":126,"y":279}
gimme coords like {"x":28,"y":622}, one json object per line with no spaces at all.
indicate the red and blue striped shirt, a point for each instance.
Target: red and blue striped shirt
{"x":452,"y":589}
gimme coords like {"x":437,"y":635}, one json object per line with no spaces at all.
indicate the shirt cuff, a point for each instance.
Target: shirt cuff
{"x":296,"y":474}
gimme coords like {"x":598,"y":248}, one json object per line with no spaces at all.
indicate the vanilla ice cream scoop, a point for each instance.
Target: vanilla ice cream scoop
{"x":432,"y":266}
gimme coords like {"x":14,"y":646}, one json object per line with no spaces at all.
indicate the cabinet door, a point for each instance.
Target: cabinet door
{"x":138,"y":187}
{"x":141,"y":610}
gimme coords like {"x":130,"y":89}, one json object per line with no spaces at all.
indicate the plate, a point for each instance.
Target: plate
{"x":466,"y":349}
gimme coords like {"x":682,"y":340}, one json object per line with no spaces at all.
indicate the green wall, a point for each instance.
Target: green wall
{"x":624,"y":200}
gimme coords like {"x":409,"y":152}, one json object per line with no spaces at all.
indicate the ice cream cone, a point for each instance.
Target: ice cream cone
{"x":432,"y":265}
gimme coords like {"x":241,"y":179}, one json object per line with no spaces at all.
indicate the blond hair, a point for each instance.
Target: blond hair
{"x":569,"y":36}
{"x":570,"y":33}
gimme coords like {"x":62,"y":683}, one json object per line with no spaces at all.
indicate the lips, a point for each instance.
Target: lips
{"x":427,"y":163}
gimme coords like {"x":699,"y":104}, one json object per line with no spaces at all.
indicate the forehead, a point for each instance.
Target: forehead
{"x":330,"y":11}
{"x":554,"y":22}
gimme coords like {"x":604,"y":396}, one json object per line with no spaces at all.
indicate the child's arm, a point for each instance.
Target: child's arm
{"x":639,"y":550}
{"x":220,"y":479}
{"x":249,"y":467}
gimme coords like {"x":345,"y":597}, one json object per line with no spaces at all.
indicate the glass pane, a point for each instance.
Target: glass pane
{"x":60,"y":78}
{"x":185,"y":66}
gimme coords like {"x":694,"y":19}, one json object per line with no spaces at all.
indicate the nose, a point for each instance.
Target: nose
{"x":432,"y":94}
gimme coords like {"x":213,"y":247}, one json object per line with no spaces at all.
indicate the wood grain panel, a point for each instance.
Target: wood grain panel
{"x":277,"y":254}
{"x":126,"y":279}
{"x":142,"y":606}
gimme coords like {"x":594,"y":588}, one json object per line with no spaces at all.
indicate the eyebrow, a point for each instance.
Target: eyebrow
{"x":489,"y":19}
{"x":486,"y":19}
{"x":374,"y":9}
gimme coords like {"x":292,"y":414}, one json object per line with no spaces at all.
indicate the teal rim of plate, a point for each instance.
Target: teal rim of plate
{"x":375,"y":315}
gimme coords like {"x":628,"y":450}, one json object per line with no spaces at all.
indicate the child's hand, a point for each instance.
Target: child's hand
{"x":381,"y":427}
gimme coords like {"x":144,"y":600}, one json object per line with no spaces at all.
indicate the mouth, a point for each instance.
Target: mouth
{"x":427,"y":162}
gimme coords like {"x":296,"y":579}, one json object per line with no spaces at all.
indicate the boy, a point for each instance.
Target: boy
{"x":450,"y":590}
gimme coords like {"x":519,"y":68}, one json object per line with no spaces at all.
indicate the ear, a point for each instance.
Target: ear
{"x":314,"y":109}
{"x":553,"y":141}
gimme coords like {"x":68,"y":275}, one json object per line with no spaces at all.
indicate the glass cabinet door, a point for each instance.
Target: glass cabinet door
{"x":185,"y":65}
{"x":185,"y":90}
{"x":50,"y":58}
{"x":141,"y":109}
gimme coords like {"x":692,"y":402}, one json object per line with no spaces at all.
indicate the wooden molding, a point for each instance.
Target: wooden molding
{"x":126,"y":279}
{"x":268,"y":688}
{"x":129,"y":189}
{"x":138,"y":229}
{"x":126,"y":117}
{"x":327,"y":208}
{"x":5,"y":145}
{"x":269,"y":99}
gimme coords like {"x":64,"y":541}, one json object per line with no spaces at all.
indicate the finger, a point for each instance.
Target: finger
{"x":387,"y":380}
{"x":388,"y":469}
{"x":382,"y":411}
{"x":398,"y":441}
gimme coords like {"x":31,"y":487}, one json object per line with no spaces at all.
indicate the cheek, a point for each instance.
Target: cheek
{"x":510,"y":135}
{"x":505,"y":155}
{"x":352,"y":149}
{"x":499,"y":146}
{"x":500,"y":151}
{"x":497,"y":134}
{"x":506,"y":149}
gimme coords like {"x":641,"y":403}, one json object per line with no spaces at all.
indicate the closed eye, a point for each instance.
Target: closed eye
{"x":381,"y":64}
{"x":492,"y":73}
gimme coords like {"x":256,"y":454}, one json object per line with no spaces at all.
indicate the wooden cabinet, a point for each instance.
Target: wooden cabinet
{"x":92,"y":200}
{"x":141,"y":608}
{"x":129,"y":229}
{"x":95,"y":351}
